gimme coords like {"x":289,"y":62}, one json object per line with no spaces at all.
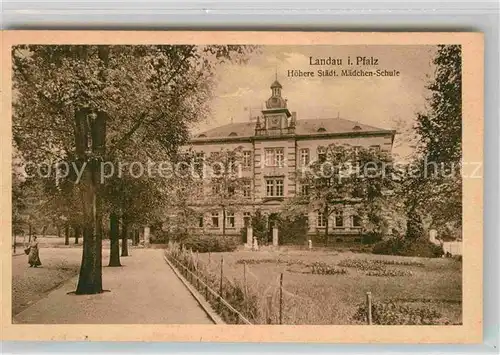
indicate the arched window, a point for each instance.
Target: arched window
{"x":202,"y":136}
{"x":356,"y":128}
{"x":321,"y":129}
{"x":232,"y":134}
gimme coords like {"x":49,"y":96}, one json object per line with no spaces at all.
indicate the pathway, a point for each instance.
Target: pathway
{"x":144,"y":290}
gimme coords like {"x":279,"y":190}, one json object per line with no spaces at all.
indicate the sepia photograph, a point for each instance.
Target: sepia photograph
{"x":240,"y":184}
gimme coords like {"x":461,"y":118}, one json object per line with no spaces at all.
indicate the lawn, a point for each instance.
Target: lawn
{"x":309,"y":298}
{"x":31,"y":284}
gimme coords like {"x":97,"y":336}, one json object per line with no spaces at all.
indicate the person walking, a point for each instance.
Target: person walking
{"x":33,"y":253}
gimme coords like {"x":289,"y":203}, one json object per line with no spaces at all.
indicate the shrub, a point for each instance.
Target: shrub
{"x":209,"y":243}
{"x":391,"y":313}
{"x":414,"y":226}
{"x":407,"y":247}
{"x":293,"y":230}
{"x":371,"y":237}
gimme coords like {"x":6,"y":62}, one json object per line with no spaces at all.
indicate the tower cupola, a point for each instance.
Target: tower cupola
{"x":276,"y":100}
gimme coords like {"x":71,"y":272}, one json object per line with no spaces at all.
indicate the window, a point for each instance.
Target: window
{"x":246,"y":218}
{"x":279,"y":187}
{"x":198,"y":163}
{"x":356,"y":221}
{"x":304,"y":190}
{"x":215,"y":219}
{"x":375,"y":148}
{"x":321,"y":222}
{"x":200,"y":221}
{"x":231,"y":164}
{"x":247,"y":159}
{"x":304,"y":156}
{"x":274,"y":188}
{"x":275,"y":157}
{"x":270,"y":188}
{"x":247,"y":186}
{"x":230,"y":219}
{"x":280,"y":157}
{"x":339,"y":219}
{"x":215,"y":189}
{"x":321,"y":154}
{"x":230,"y":190}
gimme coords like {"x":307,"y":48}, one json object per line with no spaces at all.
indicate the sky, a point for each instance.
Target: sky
{"x":384,"y":102}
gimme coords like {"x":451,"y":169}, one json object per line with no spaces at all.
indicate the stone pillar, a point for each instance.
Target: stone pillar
{"x":249,"y":237}
{"x":146,"y":236}
{"x":433,"y":236}
{"x":255,"y":245}
{"x":275,"y":236}
{"x":310,"y":244}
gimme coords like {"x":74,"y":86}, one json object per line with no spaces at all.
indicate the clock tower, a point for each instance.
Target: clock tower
{"x":276,"y":116}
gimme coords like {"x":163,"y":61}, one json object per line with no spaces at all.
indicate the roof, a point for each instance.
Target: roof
{"x":276,"y":84}
{"x":303,"y":127}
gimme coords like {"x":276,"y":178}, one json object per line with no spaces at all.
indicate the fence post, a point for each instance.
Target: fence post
{"x":221,"y":276}
{"x":245,"y":280}
{"x":369,"y":307}
{"x":269,"y":309}
{"x":281,"y":298}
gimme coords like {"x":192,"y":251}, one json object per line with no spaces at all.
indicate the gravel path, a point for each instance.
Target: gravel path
{"x":144,"y":290}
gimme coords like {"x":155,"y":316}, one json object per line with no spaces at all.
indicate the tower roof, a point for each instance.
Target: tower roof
{"x":276,"y":84}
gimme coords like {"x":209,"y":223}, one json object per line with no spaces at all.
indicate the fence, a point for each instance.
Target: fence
{"x":205,"y":284}
{"x":454,"y":248}
{"x":235,"y":304}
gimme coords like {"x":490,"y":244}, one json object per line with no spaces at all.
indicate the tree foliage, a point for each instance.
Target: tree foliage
{"x":88,"y":104}
{"x":433,"y":190}
{"x":348,"y":176}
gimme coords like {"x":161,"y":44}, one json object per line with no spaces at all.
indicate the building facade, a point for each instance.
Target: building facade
{"x":275,"y":146}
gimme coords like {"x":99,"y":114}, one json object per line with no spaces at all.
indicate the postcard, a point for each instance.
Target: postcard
{"x":206,"y":186}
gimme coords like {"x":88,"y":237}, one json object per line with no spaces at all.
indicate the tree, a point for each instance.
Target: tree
{"x":83,"y":103}
{"x":226,"y":181}
{"x":434,"y":189}
{"x":346,"y":176}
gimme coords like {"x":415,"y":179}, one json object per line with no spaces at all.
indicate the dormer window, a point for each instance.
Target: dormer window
{"x":233,"y":134}
{"x":202,"y":135}
{"x":321,"y":129}
{"x":356,"y":128}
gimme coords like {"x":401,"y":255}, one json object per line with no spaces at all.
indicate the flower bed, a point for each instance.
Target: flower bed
{"x":392,"y":313}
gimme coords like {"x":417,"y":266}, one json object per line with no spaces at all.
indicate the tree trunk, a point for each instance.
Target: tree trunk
{"x":29,"y":233}
{"x":44,"y":231}
{"x":66,"y":235}
{"x":326,"y":216}
{"x":90,"y":279}
{"x":223,"y":221}
{"x":124,"y":237}
{"x":135,"y":237}
{"x":114,"y":238}
{"x":78,"y":233}
{"x":58,"y":231}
